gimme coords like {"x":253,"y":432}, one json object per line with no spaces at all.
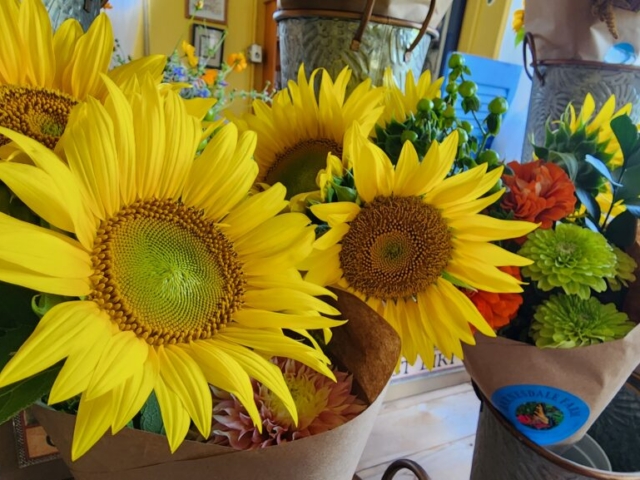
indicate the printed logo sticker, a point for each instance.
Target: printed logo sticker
{"x":546,"y":415}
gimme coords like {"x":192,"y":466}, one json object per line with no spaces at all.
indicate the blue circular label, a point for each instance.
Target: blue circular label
{"x":546,"y":415}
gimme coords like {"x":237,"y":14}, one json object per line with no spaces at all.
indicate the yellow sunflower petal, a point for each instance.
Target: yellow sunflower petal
{"x":263,"y":371}
{"x":326,"y":270}
{"x":483,"y":276}
{"x":183,"y":376}
{"x":35,"y":28}
{"x":175,"y":417}
{"x":467,"y":311}
{"x":254,"y":211}
{"x":151,"y":65}
{"x":52,"y":340}
{"x":490,"y":253}
{"x":92,"y":422}
{"x":90,"y":58}
{"x":227,"y":375}
{"x":124,"y":353}
{"x":482,"y":228}
{"x":337,"y":212}
{"x":408,"y":167}
{"x":132,"y":394}
{"x":604,"y":115}
{"x":261,"y":318}
{"x":280,"y":299}
{"x":74,"y":377}
{"x":271,"y":236}
{"x":64,"y":42}
{"x":12,"y":68}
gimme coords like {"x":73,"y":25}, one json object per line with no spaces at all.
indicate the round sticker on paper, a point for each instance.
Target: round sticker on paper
{"x":546,"y":415}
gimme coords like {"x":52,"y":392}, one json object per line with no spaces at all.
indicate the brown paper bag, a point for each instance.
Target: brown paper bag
{"x":414,"y":11}
{"x":567,"y":30}
{"x":551,"y":395}
{"x":367,"y":346}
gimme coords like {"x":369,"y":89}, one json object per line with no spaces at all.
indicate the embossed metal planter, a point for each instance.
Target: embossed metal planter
{"x":502,"y":453}
{"x":556,"y":83}
{"x":82,"y":10}
{"x":325,"y":42}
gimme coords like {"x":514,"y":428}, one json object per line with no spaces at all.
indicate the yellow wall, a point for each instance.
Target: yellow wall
{"x":483,"y":27}
{"x":168,"y":26}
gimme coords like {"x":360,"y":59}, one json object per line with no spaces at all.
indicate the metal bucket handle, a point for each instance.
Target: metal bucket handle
{"x":529,"y":40}
{"x":366,"y":17}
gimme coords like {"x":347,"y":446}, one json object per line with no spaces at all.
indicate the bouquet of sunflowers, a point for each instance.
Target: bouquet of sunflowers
{"x":231,"y":309}
{"x":570,"y":340}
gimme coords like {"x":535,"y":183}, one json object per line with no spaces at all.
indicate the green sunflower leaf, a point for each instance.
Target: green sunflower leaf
{"x":15,"y":307}
{"x":626,"y":133}
{"x":589,"y":202}
{"x":20,"y":395}
{"x":622,"y":230}
{"x":151,"y":418}
{"x":602,"y":169}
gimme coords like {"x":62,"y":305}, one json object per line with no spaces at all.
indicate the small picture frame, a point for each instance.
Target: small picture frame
{"x":209,"y":44}
{"x":211,"y":10}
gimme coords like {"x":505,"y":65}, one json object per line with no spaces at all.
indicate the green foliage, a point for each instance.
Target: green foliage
{"x":436,"y":119}
{"x":150,"y":416}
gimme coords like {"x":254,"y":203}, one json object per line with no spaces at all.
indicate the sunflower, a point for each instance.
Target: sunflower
{"x":399,"y":104}
{"x":600,"y":124}
{"x":179,"y":278}
{"x":298,"y":130}
{"x":413,"y":239}
{"x":44,"y":75}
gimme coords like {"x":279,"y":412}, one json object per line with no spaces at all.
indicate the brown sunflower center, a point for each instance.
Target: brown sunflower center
{"x":39,"y":113}
{"x":297,"y":167}
{"x":395,"y":247}
{"x":165,"y":272}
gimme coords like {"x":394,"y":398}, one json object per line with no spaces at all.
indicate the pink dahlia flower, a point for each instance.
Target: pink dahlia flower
{"x":322,"y":405}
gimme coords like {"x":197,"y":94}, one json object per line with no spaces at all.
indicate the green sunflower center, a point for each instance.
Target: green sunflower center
{"x":297,"y":167}
{"x":395,"y":247}
{"x":166,"y":273}
{"x":38,"y":113}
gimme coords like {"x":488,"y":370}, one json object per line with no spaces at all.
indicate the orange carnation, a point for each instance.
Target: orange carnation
{"x":538,"y":192}
{"x":498,"y":309}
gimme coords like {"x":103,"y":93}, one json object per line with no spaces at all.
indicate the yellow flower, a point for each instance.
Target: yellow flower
{"x":199,"y":5}
{"x":400,"y":103}
{"x":298,"y":131}
{"x":600,"y":123}
{"x":44,"y":75}
{"x":517,"y":22}
{"x":210,"y":76}
{"x":415,"y":237}
{"x":181,"y":279}
{"x":237,"y":61}
{"x":190,"y":51}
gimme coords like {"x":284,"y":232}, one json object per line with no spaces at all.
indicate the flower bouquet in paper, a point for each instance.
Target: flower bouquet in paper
{"x":156,"y":313}
{"x":569,"y":342}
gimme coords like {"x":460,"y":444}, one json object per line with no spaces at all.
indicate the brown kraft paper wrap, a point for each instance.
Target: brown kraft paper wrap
{"x":367,"y":346}
{"x":594,"y":374}
{"x":567,"y":30}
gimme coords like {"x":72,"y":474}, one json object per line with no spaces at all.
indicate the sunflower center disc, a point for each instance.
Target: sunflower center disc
{"x":166,"y":273}
{"x":297,"y":167}
{"x":38,"y":113}
{"x":395,"y":247}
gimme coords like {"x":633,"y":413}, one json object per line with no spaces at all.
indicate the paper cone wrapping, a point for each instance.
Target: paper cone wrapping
{"x":567,"y":30}
{"x":513,"y":374}
{"x":366,"y":345}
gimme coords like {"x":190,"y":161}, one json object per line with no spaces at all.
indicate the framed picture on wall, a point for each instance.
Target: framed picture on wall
{"x":209,"y":10}
{"x":209,"y":44}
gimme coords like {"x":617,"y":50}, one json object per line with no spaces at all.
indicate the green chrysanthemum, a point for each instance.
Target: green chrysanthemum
{"x":570,"y":257}
{"x":568,"y":321}
{"x":625,"y":267}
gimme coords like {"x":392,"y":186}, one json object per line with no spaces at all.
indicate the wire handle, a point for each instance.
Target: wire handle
{"x":529,"y":40}
{"x":410,"y":465}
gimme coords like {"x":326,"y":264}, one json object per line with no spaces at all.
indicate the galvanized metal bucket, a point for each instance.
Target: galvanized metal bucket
{"x":85,"y":11}
{"x":335,"y":39}
{"x":503,"y":453}
{"x":556,"y":83}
